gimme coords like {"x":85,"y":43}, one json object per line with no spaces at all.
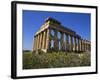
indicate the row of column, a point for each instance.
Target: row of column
{"x":77,"y":44}
{"x":72,"y":43}
{"x":41,"y":40}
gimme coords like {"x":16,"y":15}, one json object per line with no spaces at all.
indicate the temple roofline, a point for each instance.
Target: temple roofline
{"x":52,"y":19}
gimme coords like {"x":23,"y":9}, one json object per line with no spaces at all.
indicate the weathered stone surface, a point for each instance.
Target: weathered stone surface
{"x":73,"y":42}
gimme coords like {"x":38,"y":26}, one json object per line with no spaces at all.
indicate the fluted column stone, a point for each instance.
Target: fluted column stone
{"x":39,"y":41}
{"x":62,"y":41}
{"x":71,"y":43}
{"x":36,"y":43}
{"x":67,"y":42}
{"x":75,"y":44}
{"x":55,"y":40}
{"x":78,"y":44}
{"x":44,"y":36}
{"x":81,"y":45}
{"x":34,"y":47}
{"x":48,"y":43}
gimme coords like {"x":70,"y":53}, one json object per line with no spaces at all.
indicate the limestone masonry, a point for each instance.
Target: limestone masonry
{"x":53,"y":36}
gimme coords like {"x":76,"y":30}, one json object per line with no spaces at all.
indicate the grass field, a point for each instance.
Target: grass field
{"x":55,"y":59}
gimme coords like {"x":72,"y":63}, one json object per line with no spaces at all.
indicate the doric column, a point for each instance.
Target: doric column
{"x":41,"y":40}
{"x":55,"y":40}
{"x":62,"y":41}
{"x":84,"y":44}
{"x":34,"y":47}
{"x":75,"y":44}
{"x":67,"y":42}
{"x":48,"y":43}
{"x":89,"y":46}
{"x":81,"y":44}
{"x":78,"y":44}
{"x":71,"y":43}
{"x":44,"y":39}
{"x":37,"y":40}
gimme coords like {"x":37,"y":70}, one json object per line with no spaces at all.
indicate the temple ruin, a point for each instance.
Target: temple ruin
{"x":53,"y":36}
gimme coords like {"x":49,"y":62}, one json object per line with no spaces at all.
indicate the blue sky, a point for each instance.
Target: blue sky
{"x":32,"y":21}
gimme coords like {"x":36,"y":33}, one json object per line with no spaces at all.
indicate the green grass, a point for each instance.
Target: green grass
{"x":54,"y":60}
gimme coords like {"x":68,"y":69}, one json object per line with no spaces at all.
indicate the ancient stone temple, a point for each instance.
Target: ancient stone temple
{"x":53,"y":36}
